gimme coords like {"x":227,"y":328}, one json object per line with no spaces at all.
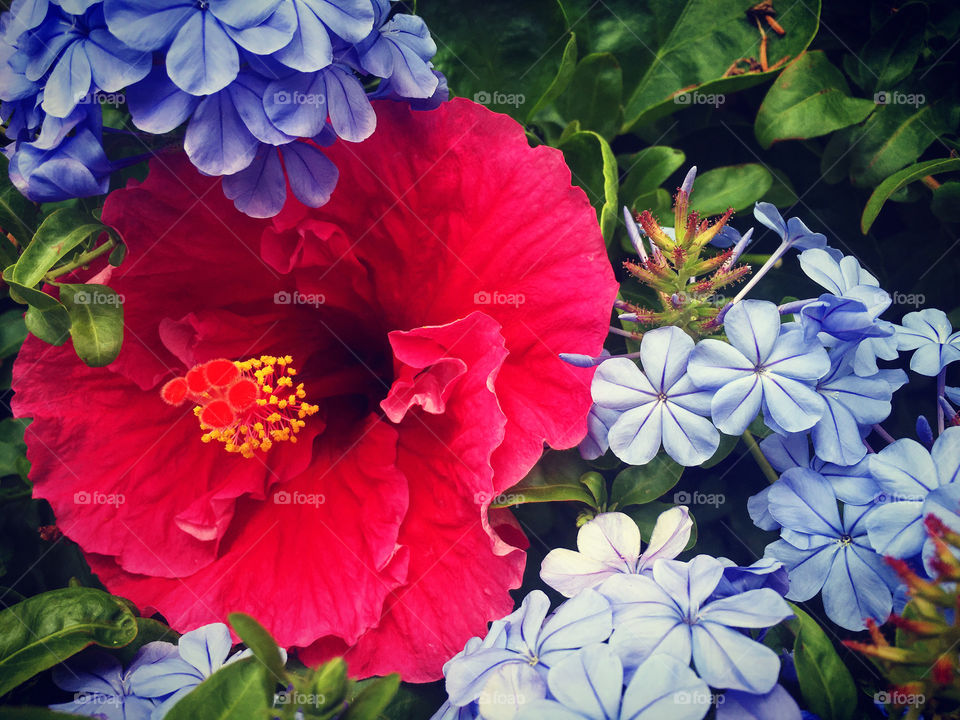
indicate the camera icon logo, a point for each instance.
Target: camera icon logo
{"x":482,"y":97}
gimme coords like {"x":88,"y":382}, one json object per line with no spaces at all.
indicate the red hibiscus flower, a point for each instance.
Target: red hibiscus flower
{"x":345,"y":506}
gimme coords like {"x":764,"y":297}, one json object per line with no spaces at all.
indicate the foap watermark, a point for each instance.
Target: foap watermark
{"x":499,"y":98}
{"x":298,"y":298}
{"x":283,"y":97}
{"x":506,"y":699}
{"x":300,"y":699}
{"x":895,"y":97}
{"x":85,"y":697}
{"x":96,"y":297}
{"x":698,"y":98}
{"x":684,"y":697}
{"x":698,"y":498}
{"x":910,"y":299}
{"x":501,"y":499}
{"x":484,"y":297}
{"x":898,"y":697}
{"x":284,"y":497}
{"x":84,"y":497}
{"x":116,"y":99}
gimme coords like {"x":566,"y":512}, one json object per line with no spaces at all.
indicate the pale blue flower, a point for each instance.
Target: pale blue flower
{"x":761,"y":367}
{"x":931,"y":335}
{"x":659,"y":404}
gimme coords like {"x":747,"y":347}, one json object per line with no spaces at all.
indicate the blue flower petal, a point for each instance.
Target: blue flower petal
{"x":726,"y":658}
{"x":157,"y":105}
{"x":309,"y":48}
{"x":777,"y":704}
{"x":804,"y":501}
{"x":260,"y":189}
{"x":351,"y":113}
{"x":896,"y":528}
{"x":114,"y":66}
{"x":202,"y":58}
{"x":856,"y":589}
{"x":807,"y":569}
{"x":217,"y":140}
{"x":589,"y":682}
{"x":297,"y":104}
{"x":68,"y":83}
{"x":665,"y":688}
{"x":753,"y":327}
{"x":311,"y":174}
{"x":736,"y":404}
{"x":147,"y":24}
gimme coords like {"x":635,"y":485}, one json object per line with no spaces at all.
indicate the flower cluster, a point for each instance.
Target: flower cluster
{"x":622,"y":645}
{"x":810,"y":369}
{"x":160,"y":674}
{"x":261,"y":87}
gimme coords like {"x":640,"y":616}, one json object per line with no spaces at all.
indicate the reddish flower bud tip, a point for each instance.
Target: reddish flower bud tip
{"x":175,"y":391}
{"x":943,"y":671}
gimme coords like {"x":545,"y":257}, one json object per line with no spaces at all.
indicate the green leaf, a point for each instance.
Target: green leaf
{"x":556,"y":477}
{"x":594,"y":94}
{"x":648,"y":169}
{"x":47,"y":629}
{"x":645,"y":516}
{"x":13,"y":332}
{"x":736,"y":186}
{"x":895,"y":136}
{"x":825,"y":682}
{"x":568,"y":64}
{"x":13,"y":450}
{"x":673,"y":47}
{"x":897,"y":181}
{"x":17,"y":217}
{"x":594,"y":168}
{"x":644,"y":483}
{"x":945,"y":203}
{"x":329,"y":681}
{"x":264,"y":647}
{"x":46,"y":317}
{"x":57,"y":235}
{"x":237,"y":691}
{"x":892,"y":51}
{"x":96,"y":314}
{"x":496,"y":53}
{"x":597,"y":485}
{"x":373,"y":699}
{"x":809,"y":99}
{"x":781,"y":193}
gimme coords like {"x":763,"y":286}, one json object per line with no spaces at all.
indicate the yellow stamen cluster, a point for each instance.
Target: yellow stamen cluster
{"x":277,"y":415}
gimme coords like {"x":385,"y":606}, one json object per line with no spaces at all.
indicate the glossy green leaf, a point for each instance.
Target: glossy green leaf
{"x":597,"y":485}
{"x":96,"y":314}
{"x":825,"y":682}
{"x":594,"y":95}
{"x":329,"y":681}
{"x":568,"y":63}
{"x":373,"y":699}
{"x":47,"y":629}
{"x":897,"y":181}
{"x":892,"y":51}
{"x":645,"y":483}
{"x":809,"y":99}
{"x":13,"y":450}
{"x":17,"y":217}
{"x":556,"y":477}
{"x":895,"y":136}
{"x":264,"y":647}
{"x":496,"y":53}
{"x":645,"y":516}
{"x":148,"y":630}
{"x":57,"y":235}
{"x":241,"y":690}
{"x":672,"y":47}
{"x":13,"y":332}
{"x":648,"y":169}
{"x":736,"y":186}
{"x":594,"y":168}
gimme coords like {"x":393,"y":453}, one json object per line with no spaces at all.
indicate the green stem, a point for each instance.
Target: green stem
{"x":81,"y":260}
{"x":764,"y":464}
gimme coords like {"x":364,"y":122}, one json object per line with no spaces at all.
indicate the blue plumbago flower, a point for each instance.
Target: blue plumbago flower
{"x":792,"y":232}
{"x":915,"y":482}
{"x":671,"y":613}
{"x":610,"y":544}
{"x":589,"y":685}
{"x":496,"y":637}
{"x":764,"y":573}
{"x":78,"y":55}
{"x":824,"y":552}
{"x":599,"y":422}
{"x":530,"y":637}
{"x":102,"y":689}
{"x":200,"y":653}
{"x":250,"y":79}
{"x":761,"y":367}
{"x":852,"y":484}
{"x":658,"y":404}
{"x":854,"y":301}
{"x":852,"y":402}
{"x":509,"y":689}
{"x":931,"y":335}
{"x":777,"y":704}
